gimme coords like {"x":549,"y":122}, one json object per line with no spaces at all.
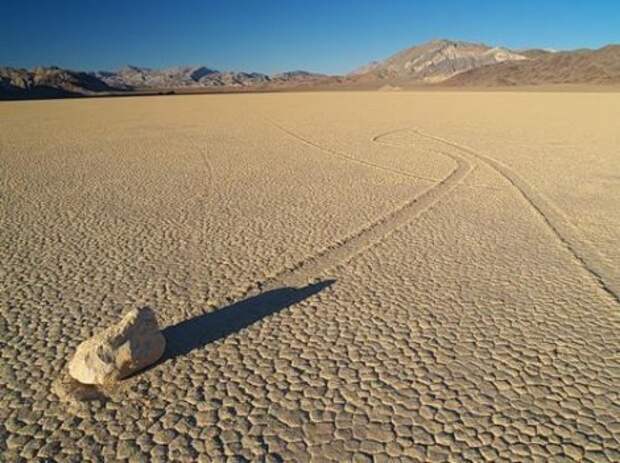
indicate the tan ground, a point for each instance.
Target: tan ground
{"x":457,"y":255}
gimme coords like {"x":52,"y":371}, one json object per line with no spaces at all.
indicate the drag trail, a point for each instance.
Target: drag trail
{"x":311,"y":267}
{"x":466,"y":161}
{"x":607,"y":276}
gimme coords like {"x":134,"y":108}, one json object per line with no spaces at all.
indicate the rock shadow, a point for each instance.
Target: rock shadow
{"x":199,"y":331}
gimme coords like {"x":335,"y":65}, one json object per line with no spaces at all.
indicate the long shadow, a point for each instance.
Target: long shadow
{"x":197,"y":332}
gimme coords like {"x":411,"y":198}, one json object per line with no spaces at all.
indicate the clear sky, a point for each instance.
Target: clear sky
{"x":331,"y":36}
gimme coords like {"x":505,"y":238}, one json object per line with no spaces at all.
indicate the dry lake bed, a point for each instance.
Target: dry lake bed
{"x":355,"y":276}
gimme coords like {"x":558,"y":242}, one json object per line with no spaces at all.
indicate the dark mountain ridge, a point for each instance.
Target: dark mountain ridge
{"x":592,"y":67}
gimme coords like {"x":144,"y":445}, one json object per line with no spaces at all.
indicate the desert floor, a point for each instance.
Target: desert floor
{"x":340,"y":276}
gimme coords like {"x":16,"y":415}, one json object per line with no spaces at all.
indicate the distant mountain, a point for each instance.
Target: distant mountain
{"x":299,"y":76}
{"x":48,"y":83}
{"x":440,"y":62}
{"x":533,"y":53}
{"x":56,"y":82}
{"x":435,"y":61}
{"x":132,"y":77}
{"x":595,"y":67}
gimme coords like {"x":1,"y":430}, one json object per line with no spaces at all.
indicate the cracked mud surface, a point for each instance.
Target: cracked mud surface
{"x":466,"y":307}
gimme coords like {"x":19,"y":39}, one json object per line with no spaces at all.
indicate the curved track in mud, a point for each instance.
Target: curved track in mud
{"x":347,"y":157}
{"x":587,"y":255}
{"x":344,"y":249}
{"x":465,"y":158}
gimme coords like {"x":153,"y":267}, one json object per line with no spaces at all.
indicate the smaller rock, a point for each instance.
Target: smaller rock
{"x":131,"y":345}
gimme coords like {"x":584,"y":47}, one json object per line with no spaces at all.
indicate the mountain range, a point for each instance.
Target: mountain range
{"x":55,"y":82}
{"x":132,"y":77}
{"x":437,"y":63}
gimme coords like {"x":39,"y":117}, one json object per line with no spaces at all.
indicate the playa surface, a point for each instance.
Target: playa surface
{"x":340,"y":276}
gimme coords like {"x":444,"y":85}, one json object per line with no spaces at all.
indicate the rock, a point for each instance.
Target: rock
{"x":131,"y":345}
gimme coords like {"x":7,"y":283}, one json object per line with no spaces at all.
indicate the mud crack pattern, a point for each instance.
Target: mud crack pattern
{"x":459,"y":326}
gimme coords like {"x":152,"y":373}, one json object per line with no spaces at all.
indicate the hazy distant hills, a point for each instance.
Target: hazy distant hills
{"x":439,"y":62}
{"x":55,"y":82}
{"x":436,"y":61}
{"x":132,"y":77}
{"x":202,"y":77}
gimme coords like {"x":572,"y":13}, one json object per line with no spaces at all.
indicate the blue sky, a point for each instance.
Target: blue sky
{"x":277,"y":35}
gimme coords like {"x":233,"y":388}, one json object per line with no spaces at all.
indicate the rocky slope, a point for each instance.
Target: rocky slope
{"x":436,"y":61}
{"x":595,"y":67}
